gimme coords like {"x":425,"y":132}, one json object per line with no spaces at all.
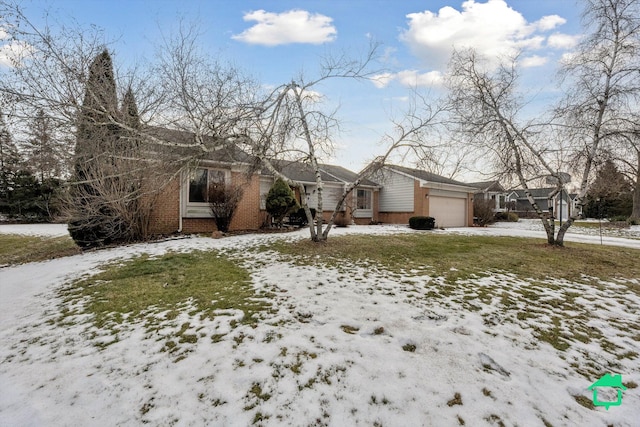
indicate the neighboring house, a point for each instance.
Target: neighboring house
{"x":562,"y":204}
{"x":407,"y":192}
{"x":576,"y":207}
{"x":491,"y":190}
{"x":361,"y":205}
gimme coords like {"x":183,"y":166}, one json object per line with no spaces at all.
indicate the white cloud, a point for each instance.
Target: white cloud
{"x":533,"y":61}
{"x":14,"y":53}
{"x":3,"y":34}
{"x":294,"y":26}
{"x":562,"y":41}
{"x":382,"y":80}
{"x":409,"y":78}
{"x":493,"y":28}
{"x":413,"y":78}
{"x":549,"y":22}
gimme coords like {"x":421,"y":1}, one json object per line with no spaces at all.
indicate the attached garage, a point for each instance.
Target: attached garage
{"x":448,"y":211}
{"x":409,"y":192}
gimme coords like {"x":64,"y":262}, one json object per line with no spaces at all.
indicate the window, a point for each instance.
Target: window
{"x":363,"y":199}
{"x":200,"y":181}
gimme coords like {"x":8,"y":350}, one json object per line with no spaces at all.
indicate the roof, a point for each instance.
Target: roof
{"x":487,"y":186}
{"x":427,"y":176}
{"x":537,"y":193}
{"x":303,"y":172}
{"x":188,"y":146}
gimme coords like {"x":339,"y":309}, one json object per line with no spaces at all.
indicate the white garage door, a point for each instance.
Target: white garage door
{"x":448,"y":211}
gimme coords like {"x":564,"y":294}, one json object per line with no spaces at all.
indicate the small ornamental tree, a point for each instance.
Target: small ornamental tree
{"x":483,"y":211}
{"x":223,"y":201}
{"x":281,"y":200}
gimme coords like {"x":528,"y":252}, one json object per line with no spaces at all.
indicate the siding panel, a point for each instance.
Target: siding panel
{"x":396,"y":194}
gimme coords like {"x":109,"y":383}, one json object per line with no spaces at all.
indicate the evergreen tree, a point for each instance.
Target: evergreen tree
{"x":281,"y":200}
{"x":43,"y":152}
{"x":610,"y":195}
{"x":93,"y":220}
{"x":10,"y":160}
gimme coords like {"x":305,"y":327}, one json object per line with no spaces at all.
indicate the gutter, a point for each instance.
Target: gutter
{"x":180,"y":204}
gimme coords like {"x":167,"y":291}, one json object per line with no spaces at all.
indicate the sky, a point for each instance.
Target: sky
{"x":276,"y":40}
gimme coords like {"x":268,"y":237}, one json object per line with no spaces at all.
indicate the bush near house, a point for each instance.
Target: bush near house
{"x":299,"y":217}
{"x":281,"y":200}
{"x":507,"y":217}
{"x":422,"y":222}
{"x":483,"y":214}
{"x":341,"y":220}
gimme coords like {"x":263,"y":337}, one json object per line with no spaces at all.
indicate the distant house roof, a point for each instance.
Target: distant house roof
{"x":427,"y":176}
{"x":486,"y":186}
{"x":537,"y":193}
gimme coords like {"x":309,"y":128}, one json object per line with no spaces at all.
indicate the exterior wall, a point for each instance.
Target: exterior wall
{"x":166,"y":211}
{"x":397,"y":194}
{"x":165,"y":215}
{"x":373,"y":216}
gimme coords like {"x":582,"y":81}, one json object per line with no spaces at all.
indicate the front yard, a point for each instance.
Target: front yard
{"x":380,"y":326}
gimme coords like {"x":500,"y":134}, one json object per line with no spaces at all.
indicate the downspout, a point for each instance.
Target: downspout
{"x":180,"y":202}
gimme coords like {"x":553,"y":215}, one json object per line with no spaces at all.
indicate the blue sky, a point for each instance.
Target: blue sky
{"x":274,"y":40}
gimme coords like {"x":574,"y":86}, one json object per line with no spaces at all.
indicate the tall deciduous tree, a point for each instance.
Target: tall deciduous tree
{"x":603,"y":86}
{"x":485,"y":106}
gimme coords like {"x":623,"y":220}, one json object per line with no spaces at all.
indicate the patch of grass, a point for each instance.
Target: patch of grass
{"x":205,"y":281}
{"x":584,"y":401}
{"x":18,"y":249}
{"x":458,"y":257}
{"x":457,"y":400}
{"x":409,"y":347}
{"x":349,"y":329}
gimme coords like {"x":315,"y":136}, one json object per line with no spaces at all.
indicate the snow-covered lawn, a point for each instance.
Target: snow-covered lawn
{"x":347,"y":345}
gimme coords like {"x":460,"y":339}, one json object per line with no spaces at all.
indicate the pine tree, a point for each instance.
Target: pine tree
{"x":93,"y":220}
{"x":610,"y":194}
{"x":10,"y":160}
{"x":43,"y":152}
{"x":280,"y":201}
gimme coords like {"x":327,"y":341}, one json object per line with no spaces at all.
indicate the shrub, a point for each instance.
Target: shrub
{"x":422,"y":222}
{"x":223,"y":201}
{"x":483,"y":211}
{"x":281,"y":200}
{"x":507,"y":216}
{"x":299,"y":217}
{"x":341,"y":220}
{"x":618,"y":218}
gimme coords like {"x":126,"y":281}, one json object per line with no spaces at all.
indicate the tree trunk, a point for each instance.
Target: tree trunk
{"x":635,"y":213}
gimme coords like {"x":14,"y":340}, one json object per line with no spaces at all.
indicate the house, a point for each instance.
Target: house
{"x":407,"y":192}
{"x":491,"y":190}
{"x":561,"y":204}
{"x":361,"y":206}
{"x":182,"y":204}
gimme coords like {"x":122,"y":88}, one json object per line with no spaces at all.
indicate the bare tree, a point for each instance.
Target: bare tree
{"x":603,"y":87}
{"x":485,"y":106}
